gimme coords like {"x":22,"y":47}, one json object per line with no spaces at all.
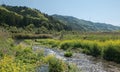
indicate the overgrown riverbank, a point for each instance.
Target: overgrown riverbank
{"x":22,"y":58}
{"x":109,"y":50}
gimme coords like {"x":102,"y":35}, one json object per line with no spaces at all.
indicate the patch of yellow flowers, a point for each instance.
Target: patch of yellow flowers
{"x":8,"y":64}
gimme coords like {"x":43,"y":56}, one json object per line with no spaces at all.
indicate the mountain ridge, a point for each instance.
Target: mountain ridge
{"x":84,"y":25}
{"x":16,"y":17}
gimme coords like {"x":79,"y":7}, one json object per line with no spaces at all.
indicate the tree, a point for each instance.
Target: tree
{"x":30,"y":27}
{"x":42,"y":30}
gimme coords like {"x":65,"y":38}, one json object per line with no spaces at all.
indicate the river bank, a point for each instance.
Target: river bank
{"x":85,"y":63}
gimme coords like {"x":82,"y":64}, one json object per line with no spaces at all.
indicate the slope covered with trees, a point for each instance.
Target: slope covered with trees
{"x":18,"y":18}
{"x":83,"y":25}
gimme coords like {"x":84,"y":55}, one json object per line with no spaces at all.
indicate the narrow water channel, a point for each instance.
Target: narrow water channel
{"x":84,"y":62}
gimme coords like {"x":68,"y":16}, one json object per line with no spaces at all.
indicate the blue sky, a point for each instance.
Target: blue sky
{"x":105,"y":11}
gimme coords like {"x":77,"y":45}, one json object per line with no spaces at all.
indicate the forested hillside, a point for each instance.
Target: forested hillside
{"x":17,"y":18}
{"x":83,"y":25}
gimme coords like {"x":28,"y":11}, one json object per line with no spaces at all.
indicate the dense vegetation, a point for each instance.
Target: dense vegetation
{"x":69,"y":33}
{"x":68,"y":54}
{"x":19,"y":19}
{"x":21,"y":57}
{"x":23,"y":19}
{"x":97,"y":46}
{"x":83,"y":25}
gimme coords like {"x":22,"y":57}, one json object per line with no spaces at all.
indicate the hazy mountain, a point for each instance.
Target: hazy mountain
{"x":83,"y":25}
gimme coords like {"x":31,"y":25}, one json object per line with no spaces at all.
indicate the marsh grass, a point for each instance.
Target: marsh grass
{"x":109,"y":49}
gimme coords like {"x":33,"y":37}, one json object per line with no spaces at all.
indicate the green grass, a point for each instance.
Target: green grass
{"x":48,"y":42}
{"x":102,"y":36}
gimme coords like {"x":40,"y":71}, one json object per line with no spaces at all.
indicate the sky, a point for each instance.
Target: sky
{"x":103,"y":11}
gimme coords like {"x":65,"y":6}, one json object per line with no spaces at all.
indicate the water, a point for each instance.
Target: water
{"x":84,"y":62}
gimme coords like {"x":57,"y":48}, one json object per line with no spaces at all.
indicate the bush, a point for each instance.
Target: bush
{"x":68,"y":54}
{"x":112,"y":53}
{"x":94,"y":49}
{"x":55,"y":65}
{"x":65,"y":45}
{"x":8,"y":64}
{"x":73,"y":68}
{"x":27,"y":55}
{"x":86,"y":51}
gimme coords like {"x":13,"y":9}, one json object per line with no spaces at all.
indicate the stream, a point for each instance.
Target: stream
{"x":85,"y":63}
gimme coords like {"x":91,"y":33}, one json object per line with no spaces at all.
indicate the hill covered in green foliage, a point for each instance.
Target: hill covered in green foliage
{"x":83,"y":25}
{"x":18,"y":18}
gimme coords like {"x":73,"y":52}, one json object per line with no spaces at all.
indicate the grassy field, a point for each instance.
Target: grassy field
{"x":102,"y":36}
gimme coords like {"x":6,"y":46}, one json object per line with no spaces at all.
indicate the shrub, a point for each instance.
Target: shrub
{"x":73,"y":68}
{"x":66,"y":45}
{"x":95,"y":50}
{"x":55,"y":65}
{"x":68,"y":54}
{"x":52,"y":43}
{"x":86,"y":51}
{"x":27,"y":55}
{"x":112,"y":53}
{"x":8,"y":64}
